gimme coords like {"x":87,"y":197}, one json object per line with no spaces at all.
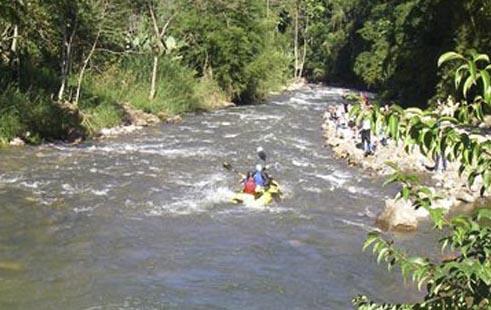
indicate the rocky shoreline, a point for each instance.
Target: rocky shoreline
{"x":136,"y":119}
{"x":399,"y":215}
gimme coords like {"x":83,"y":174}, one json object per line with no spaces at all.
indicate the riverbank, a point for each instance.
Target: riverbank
{"x":117,"y":118}
{"x":399,"y":215}
{"x":138,"y":119}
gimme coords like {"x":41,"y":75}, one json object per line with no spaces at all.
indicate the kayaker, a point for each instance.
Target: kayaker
{"x":260,"y":177}
{"x":249,"y":184}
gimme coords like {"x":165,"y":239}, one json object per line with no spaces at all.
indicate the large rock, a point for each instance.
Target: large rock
{"x":17,"y":142}
{"x":400,"y":215}
{"x":115,"y":131}
{"x":464,"y":195}
{"x":137,"y":117}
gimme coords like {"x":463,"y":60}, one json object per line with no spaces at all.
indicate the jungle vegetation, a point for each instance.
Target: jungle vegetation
{"x":67,"y":66}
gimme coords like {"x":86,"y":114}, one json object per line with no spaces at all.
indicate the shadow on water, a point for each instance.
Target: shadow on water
{"x":143,"y":220}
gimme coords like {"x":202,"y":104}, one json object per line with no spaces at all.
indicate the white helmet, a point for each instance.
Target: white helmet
{"x":259,"y":167}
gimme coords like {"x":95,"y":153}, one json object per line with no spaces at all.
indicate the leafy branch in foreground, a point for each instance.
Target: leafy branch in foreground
{"x":462,"y":281}
{"x":444,"y":131}
{"x":419,"y":195}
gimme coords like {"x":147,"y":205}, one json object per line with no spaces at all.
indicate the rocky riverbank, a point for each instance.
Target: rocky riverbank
{"x":135,"y":119}
{"x":399,"y":215}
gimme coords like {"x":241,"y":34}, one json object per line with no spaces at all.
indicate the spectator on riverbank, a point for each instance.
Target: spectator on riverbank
{"x":366,"y":136}
{"x":384,"y":140}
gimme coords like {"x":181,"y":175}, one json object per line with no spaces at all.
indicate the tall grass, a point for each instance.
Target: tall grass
{"x":178,"y":89}
{"x":23,"y":114}
{"x":270,"y":72}
{"x":34,"y":116}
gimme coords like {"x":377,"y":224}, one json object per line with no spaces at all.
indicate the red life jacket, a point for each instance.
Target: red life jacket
{"x":250,"y":186}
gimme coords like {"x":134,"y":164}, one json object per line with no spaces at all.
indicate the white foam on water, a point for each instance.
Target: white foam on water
{"x":211,"y":125}
{"x":300,"y":101}
{"x":342,"y":174}
{"x":312,"y":189}
{"x":358,"y":190}
{"x":332,"y":91}
{"x":299,"y":163}
{"x":47,"y":201}
{"x":331,"y":178}
{"x":27,"y":184}
{"x":260,"y":117}
{"x":9,"y":179}
{"x":209,"y":180}
{"x":302,"y":142}
{"x":192,"y":204}
{"x":367,"y":213}
{"x":67,"y":188}
{"x":124,"y":149}
{"x":102,"y":192}
{"x":156,"y":169}
{"x":83,"y":209}
{"x":229,"y":136}
{"x":193,"y":130}
{"x":274,"y":207}
{"x":265,"y":138}
{"x":363,"y":226}
{"x":301,"y":147}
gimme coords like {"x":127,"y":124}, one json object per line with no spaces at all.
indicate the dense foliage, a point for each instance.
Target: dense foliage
{"x":77,"y":62}
{"x":392,"y":46}
{"x":464,"y":281}
{"x":174,"y":56}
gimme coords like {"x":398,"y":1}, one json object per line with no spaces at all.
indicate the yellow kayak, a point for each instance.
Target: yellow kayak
{"x":262,"y":197}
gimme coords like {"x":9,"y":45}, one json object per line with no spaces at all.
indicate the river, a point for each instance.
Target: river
{"x":142,"y":221}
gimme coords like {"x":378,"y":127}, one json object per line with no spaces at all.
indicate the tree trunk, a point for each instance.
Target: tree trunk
{"x":302,"y":64}
{"x":295,"y":48}
{"x":161,"y":48}
{"x":61,"y":91}
{"x":154,"y":77}
{"x":66,"y":60}
{"x":84,"y":67}
{"x":15,"y":61}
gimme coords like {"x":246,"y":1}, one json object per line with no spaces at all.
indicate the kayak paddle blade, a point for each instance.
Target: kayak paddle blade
{"x":261,"y":153}
{"x":227,"y":165}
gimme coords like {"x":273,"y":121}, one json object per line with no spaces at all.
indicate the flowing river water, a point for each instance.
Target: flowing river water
{"x":142,"y":221}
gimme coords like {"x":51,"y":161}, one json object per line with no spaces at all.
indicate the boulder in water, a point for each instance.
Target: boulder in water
{"x":400,"y":215}
{"x":137,"y":117}
{"x":174,"y":119}
{"x":17,"y":142}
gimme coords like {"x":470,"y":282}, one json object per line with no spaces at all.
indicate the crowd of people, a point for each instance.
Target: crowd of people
{"x":361,"y":131}
{"x":349,"y":129}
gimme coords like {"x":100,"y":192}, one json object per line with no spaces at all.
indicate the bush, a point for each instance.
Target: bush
{"x":209,"y":94}
{"x":11,"y":124}
{"x":268,"y":72}
{"x":104,"y":115}
{"x":33,"y":116}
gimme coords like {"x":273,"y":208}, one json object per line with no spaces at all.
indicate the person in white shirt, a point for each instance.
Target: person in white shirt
{"x":366,"y":137}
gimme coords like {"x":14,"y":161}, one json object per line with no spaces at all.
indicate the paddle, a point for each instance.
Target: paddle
{"x":229,"y":167}
{"x":261,"y":153}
